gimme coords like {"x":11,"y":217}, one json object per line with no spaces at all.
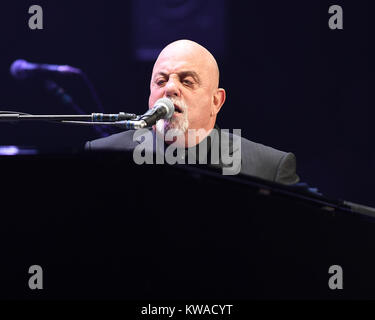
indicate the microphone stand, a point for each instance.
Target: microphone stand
{"x":94,"y":118}
{"x":122,"y":119}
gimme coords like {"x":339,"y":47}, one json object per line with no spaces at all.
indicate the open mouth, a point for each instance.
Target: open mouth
{"x":177,"y":109}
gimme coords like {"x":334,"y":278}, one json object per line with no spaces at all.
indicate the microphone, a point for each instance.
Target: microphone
{"x":162,"y":109}
{"x":22,"y":69}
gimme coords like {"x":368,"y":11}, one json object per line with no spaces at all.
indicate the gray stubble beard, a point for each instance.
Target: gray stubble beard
{"x":178,"y":124}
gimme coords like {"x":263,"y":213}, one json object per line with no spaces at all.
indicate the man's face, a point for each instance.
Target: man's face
{"x":184,"y":78}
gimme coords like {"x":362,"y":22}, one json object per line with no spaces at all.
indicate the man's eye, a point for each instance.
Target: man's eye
{"x":188,"y":82}
{"x":160,"y":82}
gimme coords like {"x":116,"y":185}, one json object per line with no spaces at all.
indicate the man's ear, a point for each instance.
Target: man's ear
{"x":219,"y":99}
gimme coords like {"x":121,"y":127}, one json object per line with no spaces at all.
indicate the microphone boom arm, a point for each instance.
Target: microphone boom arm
{"x":125,"y":124}
{"x":94,"y":117}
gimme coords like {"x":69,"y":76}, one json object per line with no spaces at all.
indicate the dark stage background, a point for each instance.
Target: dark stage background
{"x":291,"y":82}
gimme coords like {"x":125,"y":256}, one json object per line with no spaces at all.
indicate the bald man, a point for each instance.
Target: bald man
{"x":188,"y":74}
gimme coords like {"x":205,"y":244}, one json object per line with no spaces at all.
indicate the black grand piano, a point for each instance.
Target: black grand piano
{"x":102,"y":227}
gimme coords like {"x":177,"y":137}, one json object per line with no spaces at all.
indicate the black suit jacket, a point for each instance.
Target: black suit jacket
{"x":256,"y":159}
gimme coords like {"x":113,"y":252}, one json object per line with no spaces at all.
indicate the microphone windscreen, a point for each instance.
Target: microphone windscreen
{"x":168,"y":104}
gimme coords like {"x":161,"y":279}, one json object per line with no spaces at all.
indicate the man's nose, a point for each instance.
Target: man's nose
{"x":172,"y":89}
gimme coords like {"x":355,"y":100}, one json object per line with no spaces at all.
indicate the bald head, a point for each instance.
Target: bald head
{"x":189,"y":50}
